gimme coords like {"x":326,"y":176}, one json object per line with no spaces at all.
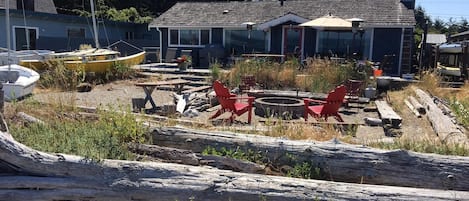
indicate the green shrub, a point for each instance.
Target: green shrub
{"x":104,"y":138}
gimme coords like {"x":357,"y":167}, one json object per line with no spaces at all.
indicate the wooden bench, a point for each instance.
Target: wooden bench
{"x":387,"y":114}
{"x":196,"y":89}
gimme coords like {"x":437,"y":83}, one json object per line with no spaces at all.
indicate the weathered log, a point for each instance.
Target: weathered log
{"x":339,"y":162}
{"x":45,"y":176}
{"x":187,"y":157}
{"x":28,"y":118}
{"x":419,"y":107}
{"x":387,"y":114}
{"x":412,"y":108}
{"x":447,"y":131}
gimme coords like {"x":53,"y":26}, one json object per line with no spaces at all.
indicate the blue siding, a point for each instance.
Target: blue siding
{"x":52,"y":31}
{"x":387,"y":41}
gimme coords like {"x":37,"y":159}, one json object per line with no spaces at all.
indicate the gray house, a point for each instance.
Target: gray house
{"x":38,"y":26}
{"x":387,"y":29}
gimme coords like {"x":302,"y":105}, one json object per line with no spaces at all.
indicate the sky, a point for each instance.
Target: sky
{"x":445,"y":9}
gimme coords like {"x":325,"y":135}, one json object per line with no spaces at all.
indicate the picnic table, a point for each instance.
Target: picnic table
{"x":149,"y":87}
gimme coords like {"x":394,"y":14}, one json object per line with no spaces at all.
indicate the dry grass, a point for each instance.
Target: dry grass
{"x":318,"y":75}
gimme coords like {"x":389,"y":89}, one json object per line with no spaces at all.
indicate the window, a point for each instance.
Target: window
{"x":25,"y":4}
{"x":76,"y":33}
{"x":241,"y":41}
{"x":25,"y":38}
{"x":204,"y":37}
{"x":343,"y":43}
{"x":189,"y":37}
{"x":129,"y":35}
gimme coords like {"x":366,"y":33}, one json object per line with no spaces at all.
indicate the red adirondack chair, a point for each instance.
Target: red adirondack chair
{"x":354,"y":90}
{"x":231,"y":103}
{"x":328,"y":107}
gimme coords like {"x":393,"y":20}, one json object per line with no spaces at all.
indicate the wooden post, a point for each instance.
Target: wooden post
{"x":2,"y":101}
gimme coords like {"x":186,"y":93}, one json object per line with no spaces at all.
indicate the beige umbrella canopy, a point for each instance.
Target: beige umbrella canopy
{"x":329,"y":22}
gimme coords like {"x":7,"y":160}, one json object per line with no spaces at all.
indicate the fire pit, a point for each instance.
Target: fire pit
{"x":280,"y":107}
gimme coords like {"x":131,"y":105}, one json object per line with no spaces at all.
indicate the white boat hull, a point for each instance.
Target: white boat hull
{"x":450,"y":48}
{"x":450,"y":71}
{"x":20,"y":87}
{"x":17,"y":56}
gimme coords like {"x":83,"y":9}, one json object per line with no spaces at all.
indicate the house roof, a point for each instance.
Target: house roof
{"x":376,"y":13}
{"x":43,"y":6}
{"x":436,"y":38}
{"x":461,"y":34}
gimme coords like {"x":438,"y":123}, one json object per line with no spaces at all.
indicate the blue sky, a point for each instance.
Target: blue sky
{"x":445,"y":9}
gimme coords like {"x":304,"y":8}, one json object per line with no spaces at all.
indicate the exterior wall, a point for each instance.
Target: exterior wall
{"x":52,"y":31}
{"x":387,"y":41}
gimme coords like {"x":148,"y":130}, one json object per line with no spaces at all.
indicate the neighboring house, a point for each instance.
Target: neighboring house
{"x":43,"y":6}
{"x":459,"y":37}
{"x":51,"y":31}
{"x":436,"y":39}
{"x":387,"y":29}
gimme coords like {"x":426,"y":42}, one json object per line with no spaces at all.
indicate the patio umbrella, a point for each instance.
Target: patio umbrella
{"x":329,"y":22}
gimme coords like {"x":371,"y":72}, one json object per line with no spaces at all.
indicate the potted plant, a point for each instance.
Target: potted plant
{"x":183,"y":62}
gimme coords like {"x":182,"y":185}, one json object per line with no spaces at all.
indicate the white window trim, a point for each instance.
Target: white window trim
{"x":179,"y":37}
{"x":23,"y":27}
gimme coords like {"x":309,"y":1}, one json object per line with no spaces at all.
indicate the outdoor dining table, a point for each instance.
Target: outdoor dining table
{"x":149,"y":87}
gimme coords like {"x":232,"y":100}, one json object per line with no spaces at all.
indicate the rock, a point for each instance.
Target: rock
{"x":373,"y":121}
{"x":84,"y":87}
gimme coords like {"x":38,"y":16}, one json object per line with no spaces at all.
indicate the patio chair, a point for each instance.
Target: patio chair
{"x":231,"y":103}
{"x":328,"y":107}
{"x":353,"y":90}
{"x":170,"y":56}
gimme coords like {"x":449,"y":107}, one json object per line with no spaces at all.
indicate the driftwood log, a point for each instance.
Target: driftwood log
{"x":444,"y":127}
{"x":29,"y":119}
{"x":339,"y":162}
{"x":419,"y":107}
{"x":412,"y":108}
{"x":27,"y":174}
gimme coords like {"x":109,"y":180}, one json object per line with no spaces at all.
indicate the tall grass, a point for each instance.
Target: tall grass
{"x":318,"y":76}
{"x":57,"y":76}
{"x":424,"y":146}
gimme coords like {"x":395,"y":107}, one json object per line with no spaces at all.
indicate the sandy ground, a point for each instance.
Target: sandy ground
{"x":120,"y":94}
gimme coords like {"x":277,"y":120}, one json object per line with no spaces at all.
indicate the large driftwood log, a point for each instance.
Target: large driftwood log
{"x":339,"y":162}
{"x":444,"y":127}
{"x":42,"y":176}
